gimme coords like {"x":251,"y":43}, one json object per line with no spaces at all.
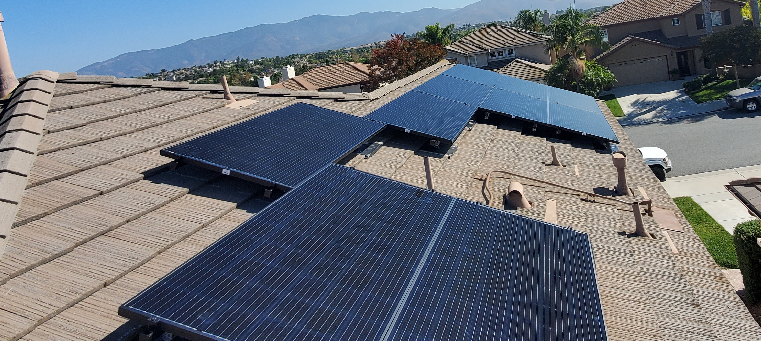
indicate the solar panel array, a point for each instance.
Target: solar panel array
{"x":352,"y":256}
{"x":281,"y":148}
{"x":538,"y":103}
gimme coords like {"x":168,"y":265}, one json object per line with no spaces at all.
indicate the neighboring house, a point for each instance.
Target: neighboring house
{"x":102,"y":215}
{"x":650,"y":38}
{"x":343,"y":77}
{"x":492,"y":47}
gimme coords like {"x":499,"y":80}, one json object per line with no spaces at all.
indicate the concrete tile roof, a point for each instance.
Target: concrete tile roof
{"x":654,"y":37}
{"x":104,"y":215}
{"x":521,"y":68}
{"x":326,"y":77}
{"x":636,"y":10}
{"x":494,"y":37}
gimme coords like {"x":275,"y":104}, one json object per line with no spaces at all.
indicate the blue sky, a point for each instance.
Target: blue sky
{"x":65,"y":35}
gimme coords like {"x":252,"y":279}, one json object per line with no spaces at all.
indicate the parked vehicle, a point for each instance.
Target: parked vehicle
{"x":748,"y":98}
{"x":658,"y":161}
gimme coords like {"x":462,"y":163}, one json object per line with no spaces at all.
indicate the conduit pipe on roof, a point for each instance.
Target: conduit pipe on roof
{"x":228,"y":95}
{"x":8,"y":81}
{"x":428,"y":175}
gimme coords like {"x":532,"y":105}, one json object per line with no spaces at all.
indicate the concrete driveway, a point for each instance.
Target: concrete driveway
{"x":659,"y":101}
{"x":707,"y":189}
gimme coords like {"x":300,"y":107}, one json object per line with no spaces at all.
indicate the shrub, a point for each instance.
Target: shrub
{"x":694,"y":84}
{"x":749,"y":258}
{"x":708,"y":79}
{"x":594,"y":80}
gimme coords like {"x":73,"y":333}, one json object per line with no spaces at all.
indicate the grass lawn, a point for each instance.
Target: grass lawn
{"x":715,"y":90}
{"x":716,"y":239}
{"x":613,"y":105}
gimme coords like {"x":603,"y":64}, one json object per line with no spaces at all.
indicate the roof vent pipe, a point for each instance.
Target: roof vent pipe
{"x":619,"y":161}
{"x":264,"y":82}
{"x":228,"y":95}
{"x":555,"y":161}
{"x":640,"y":229}
{"x":288,"y":73}
{"x":8,"y":80}
{"x":428,"y":176}
{"x":515,"y":195}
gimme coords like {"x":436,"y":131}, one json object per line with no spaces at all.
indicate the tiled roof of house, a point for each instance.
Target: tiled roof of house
{"x":495,"y":37}
{"x":636,"y":10}
{"x":654,"y":37}
{"x":104,"y":215}
{"x":523,"y":69}
{"x":326,"y":77}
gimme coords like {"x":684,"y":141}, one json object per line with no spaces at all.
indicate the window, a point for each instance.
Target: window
{"x":700,"y":21}
{"x":500,"y":53}
{"x":472,"y":61}
{"x":510,"y":52}
{"x":675,"y":21}
{"x":716,"y":18}
{"x":727,"y":17}
{"x":604,"y":35}
{"x":492,"y":55}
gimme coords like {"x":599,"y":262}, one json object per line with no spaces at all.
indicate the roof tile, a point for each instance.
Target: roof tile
{"x":495,"y":37}
{"x":636,"y":10}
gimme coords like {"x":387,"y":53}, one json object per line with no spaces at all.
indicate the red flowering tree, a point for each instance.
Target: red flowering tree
{"x":400,"y":58}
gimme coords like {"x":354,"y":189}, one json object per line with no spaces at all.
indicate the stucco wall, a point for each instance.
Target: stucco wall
{"x":735,"y":13}
{"x":533,"y":52}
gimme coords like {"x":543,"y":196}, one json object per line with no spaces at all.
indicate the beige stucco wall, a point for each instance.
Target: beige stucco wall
{"x":735,"y":13}
{"x":533,"y":52}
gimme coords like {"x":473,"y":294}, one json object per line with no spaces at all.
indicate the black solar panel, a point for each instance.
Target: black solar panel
{"x":456,"y":89}
{"x":283,"y":147}
{"x":353,"y":256}
{"x":537,"y":102}
{"x":427,"y":114}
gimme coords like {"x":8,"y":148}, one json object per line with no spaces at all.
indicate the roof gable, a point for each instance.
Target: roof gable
{"x":637,"y":10}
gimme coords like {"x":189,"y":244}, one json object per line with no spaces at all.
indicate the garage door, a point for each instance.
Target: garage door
{"x":640,"y":71}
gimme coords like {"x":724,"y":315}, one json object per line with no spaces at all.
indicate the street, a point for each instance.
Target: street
{"x":729,"y":139}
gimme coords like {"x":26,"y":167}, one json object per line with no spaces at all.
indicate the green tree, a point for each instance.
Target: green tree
{"x":437,"y":35}
{"x":572,"y":33}
{"x":399,"y":58}
{"x":595,"y":78}
{"x":750,"y":11}
{"x":529,"y":20}
{"x":739,"y":45}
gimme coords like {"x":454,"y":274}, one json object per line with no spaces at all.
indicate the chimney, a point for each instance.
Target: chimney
{"x":265,"y":82}
{"x":515,"y":195}
{"x":619,"y":161}
{"x":228,"y":95}
{"x":8,"y":80}
{"x":546,"y":18}
{"x":288,"y":73}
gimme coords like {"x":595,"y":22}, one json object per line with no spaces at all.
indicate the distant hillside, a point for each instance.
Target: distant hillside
{"x":311,"y":34}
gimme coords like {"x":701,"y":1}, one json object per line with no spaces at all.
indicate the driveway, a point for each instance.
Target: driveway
{"x":659,"y":101}
{"x":707,"y":189}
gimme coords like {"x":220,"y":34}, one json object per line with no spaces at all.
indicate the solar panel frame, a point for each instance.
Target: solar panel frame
{"x":425,"y":114}
{"x":378,"y":248}
{"x":280,"y":148}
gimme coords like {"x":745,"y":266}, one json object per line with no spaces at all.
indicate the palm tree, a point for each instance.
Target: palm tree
{"x":437,"y":35}
{"x":571,"y":32}
{"x":529,"y":20}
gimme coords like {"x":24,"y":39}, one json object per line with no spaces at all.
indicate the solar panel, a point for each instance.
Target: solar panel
{"x":528,"y":100}
{"x":281,"y":148}
{"x":426,"y":114}
{"x":353,"y":256}
{"x":456,"y":90}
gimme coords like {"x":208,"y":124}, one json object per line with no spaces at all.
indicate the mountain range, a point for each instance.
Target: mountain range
{"x":312,"y":34}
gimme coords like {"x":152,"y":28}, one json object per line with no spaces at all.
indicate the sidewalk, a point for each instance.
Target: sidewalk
{"x":707,"y":189}
{"x":659,"y":101}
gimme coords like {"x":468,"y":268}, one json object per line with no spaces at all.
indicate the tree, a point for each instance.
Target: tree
{"x":529,"y":20}
{"x":595,"y":78}
{"x":399,"y":58}
{"x":707,"y":20}
{"x":739,"y":45}
{"x":572,"y":33}
{"x":437,"y":35}
{"x":750,"y":12}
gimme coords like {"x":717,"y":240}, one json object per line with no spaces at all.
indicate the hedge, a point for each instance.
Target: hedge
{"x":749,"y":258}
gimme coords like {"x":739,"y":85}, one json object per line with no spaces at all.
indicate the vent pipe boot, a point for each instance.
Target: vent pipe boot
{"x":228,"y":94}
{"x":619,"y":161}
{"x":8,"y":81}
{"x":640,"y":229}
{"x":428,"y":176}
{"x":555,"y":161}
{"x":515,"y":196}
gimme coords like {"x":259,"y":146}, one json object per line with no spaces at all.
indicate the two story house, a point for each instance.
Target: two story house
{"x":649,"y":38}
{"x":504,"y":49}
